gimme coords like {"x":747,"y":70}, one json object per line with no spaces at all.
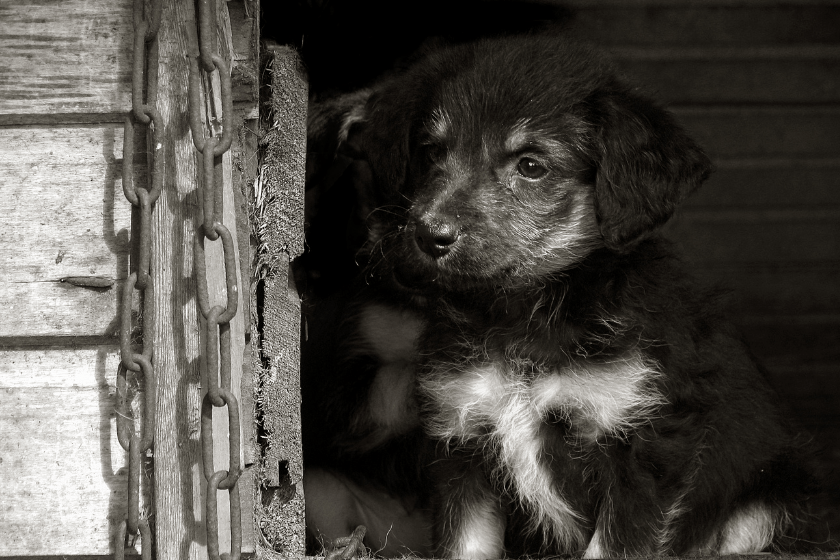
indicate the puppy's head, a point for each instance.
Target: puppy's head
{"x":505,"y":161}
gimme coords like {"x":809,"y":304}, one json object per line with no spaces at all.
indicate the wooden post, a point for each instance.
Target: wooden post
{"x":280,"y":224}
{"x":179,"y":482}
{"x":179,"y":513}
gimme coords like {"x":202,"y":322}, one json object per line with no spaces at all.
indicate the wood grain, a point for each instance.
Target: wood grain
{"x":770,"y":183}
{"x":750,"y":241}
{"x":810,"y":289}
{"x":179,"y":509}
{"x":58,"y":444}
{"x":80,"y":48}
{"x":64,"y":216}
{"x":214,"y":262}
{"x":680,"y":23}
{"x":281,"y":230}
{"x":63,"y":207}
{"x":179,"y":482}
{"x":47,"y":309}
{"x":736,"y":132}
{"x":704,"y":75}
{"x":244,"y":36}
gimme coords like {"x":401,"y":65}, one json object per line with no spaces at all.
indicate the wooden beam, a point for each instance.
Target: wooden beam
{"x":280,"y":224}
{"x":72,"y":56}
{"x":63,"y":469}
{"x":179,"y":511}
{"x":242,"y":28}
{"x":180,"y":485}
{"x":50,"y":309}
{"x":214,"y":262}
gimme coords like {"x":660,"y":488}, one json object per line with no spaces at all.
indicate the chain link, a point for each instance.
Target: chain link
{"x":217,"y":319}
{"x":144,"y":75}
{"x":217,"y":337}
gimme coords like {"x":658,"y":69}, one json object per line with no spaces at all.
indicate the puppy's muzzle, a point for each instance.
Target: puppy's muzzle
{"x":436,"y":236}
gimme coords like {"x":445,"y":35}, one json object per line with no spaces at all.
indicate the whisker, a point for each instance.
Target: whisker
{"x":385,"y":210}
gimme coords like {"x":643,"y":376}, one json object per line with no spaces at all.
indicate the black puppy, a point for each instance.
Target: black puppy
{"x":586,"y":394}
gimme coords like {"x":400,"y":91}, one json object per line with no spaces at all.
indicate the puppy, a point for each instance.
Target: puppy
{"x":363,"y":444}
{"x":584,"y":393}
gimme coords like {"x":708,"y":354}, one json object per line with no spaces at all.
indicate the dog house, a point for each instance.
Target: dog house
{"x":106,"y":112}
{"x":103,"y":107}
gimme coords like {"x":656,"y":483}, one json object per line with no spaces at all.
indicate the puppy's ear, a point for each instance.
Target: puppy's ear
{"x":384,"y":138}
{"x":645,"y":166}
{"x":372,"y":125}
{"x":330,"y":156}
{"x":330,"y":121}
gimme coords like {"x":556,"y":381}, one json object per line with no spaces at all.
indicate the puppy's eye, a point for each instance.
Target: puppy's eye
{"x":530,"y":168}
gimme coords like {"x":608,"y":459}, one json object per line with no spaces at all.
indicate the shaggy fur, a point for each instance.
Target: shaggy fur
{"x":585,"y":395}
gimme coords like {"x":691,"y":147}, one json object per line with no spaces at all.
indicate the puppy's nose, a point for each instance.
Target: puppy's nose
{"x":435,"y":237}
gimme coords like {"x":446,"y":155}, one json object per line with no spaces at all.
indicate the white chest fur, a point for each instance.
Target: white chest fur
{"x":496,"y":405}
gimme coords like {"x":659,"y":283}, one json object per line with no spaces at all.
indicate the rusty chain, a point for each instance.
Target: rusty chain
{"x":217,"y":337}
{"x":217,"y":319}
{"x":144,"y":76}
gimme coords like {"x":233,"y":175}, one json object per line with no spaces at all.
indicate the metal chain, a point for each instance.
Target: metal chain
{"x":217,"y":318}
{"x":145,"y":74}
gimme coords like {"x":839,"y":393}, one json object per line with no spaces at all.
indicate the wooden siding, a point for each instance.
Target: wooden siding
{"x":64,"y":93}
{"x":61,"y":57}
{"x":64,"y":216}
{"x":62,"y":467}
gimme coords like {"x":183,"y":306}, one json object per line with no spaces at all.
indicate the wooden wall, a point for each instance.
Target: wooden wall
{"x":63,"y":83}
{"x":64,"y":93}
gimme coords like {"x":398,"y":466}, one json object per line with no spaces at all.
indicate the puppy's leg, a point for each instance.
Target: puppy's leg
{"x":595,"y":548}
{"x":749,"y":530}
{"x":469,"y":515}
{"x":634,"y":511}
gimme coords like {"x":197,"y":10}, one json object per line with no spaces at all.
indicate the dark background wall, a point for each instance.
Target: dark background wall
{"x":756,"y":81}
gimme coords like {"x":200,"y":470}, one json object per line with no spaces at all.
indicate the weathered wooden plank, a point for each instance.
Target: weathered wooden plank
{"x":179,"y":497}
{"x":46,"y":309}
{"x":279,"y":223}
{"x":745,"y":131}
{"x":65,"y":56}
{"x":681,"y":23}
{"x":762,"y":289}
{"x":245,"y":84}
{"x":772,"y":182}
{"x":63,"y":209}
{"x":742,"y":75}
{"x":784,"y":345}
{"x":802,"y":361}
{"x":653,"y":4}
{"x":244,"y":36}
{"x":62,"y":469}
{"x":760,"y":241}
{"x":64,"y":217}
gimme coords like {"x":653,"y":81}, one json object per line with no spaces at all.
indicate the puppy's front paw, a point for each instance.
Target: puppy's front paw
{"x":595,"y":548}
